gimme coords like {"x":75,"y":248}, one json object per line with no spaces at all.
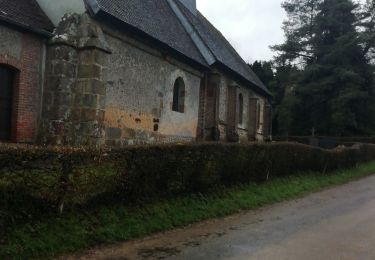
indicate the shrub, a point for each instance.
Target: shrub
{"x":38,"y":181}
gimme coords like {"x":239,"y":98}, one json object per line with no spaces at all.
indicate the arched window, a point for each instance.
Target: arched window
{"x":7,"y":76}
{"x":240,"y":109}
{"x":179,"y":96}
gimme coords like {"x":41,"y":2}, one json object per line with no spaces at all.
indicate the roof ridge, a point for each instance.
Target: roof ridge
{"x":242,"y":67}
{"x":202,"y":47}
{"x":232,"y":49}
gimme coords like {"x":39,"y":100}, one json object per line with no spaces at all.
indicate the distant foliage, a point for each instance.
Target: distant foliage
{"x":324,"y":72}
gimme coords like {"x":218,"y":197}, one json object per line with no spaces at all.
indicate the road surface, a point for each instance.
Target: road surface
{"x":338,"y":223}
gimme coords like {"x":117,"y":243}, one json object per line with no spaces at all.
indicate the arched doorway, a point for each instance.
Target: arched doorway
{"x":7,"y":76}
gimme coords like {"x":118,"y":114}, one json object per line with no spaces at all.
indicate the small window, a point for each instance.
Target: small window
{"x":240,"y":109}
{"x":179,"y":96}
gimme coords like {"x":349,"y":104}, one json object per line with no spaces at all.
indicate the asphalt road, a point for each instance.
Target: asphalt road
{"x":338,"y":223}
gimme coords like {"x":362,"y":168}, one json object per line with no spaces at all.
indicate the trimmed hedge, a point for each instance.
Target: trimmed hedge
{"x":36,"y":182}
{"x":347,"y":141}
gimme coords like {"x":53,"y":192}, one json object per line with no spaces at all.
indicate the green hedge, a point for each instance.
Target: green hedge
{"x":36,"y":182}
{"x":348,"y":141}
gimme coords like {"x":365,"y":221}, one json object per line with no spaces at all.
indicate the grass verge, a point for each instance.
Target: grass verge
{"x":107,"y":224}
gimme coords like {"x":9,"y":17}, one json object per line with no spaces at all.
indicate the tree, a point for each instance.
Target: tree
{"x":299,"y":32}
{"x":330,"y":41}
{"x":279,"y":80}
{"x":338,"y":84}
{"x":366,"y":24}
{"x":264,"y":71}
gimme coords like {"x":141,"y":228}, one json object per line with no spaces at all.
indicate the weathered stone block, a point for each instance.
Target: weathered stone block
{"x":62,"y":52}
{"x":110,"y":142}
{"x":89,"y":71}
{"x":102,"y":101}
{"x":65,"y":68}
{"x":89,"y":129}
{"x":78,"y":99}
{"x":91,"y":56}
{"x":78,"y":87}
{"x":129,"y":133}
{"x":88,"y":114}
{"x":63,"y":99}
{"x":90,"y":101}
{"x":113,"y":133}
{"x":100,"y":115}
{"x":63,"y":112}
{"x":59,"y":83}
{"x":75,"y":114}
{"x":91,"y":86}
{"x":98,"y":87}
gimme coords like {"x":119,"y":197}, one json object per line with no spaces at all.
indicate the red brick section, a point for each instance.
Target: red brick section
{"x":201,"y":113}
{"x":26,"y":90}
{"x":267,"y":121}
{"x":232,"y":120}
{"x":253,"y":107}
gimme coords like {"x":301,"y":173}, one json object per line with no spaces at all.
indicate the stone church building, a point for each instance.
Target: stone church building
{"x":121,"y":72}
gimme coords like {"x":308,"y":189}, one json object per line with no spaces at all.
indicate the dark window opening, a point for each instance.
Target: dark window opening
{"x":6,"y":101}
{"x":156,"y":127}
{"x":179,"y":96}
{"x":258,"y":115}
{"x":240,"y":109}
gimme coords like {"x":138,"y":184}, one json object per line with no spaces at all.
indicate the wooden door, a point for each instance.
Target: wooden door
{"x":6,"y":98}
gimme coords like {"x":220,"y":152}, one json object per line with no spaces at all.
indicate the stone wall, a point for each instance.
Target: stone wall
{"x":139,"y":83}
{"x":74,"y":96}
{"x":105,"y":87}
{"x":24,"y":52}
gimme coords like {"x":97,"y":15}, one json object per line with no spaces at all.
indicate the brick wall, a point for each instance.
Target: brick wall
{"x":202,"y":109}
{"x":23,"y":52}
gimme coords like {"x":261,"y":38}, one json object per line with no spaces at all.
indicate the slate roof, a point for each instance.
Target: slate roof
{"x":155,"y":18}
{"x":26,"y":14}
{"x":221,"y":48}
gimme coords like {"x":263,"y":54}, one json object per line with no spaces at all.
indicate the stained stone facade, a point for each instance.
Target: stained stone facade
{"x":148,"y":72}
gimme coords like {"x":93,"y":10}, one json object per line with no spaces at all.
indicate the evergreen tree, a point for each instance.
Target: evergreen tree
{"x":264,"y":71}
{"x":337,"y":86}
{"x":333,"y":92}
{"x":299,"y":32}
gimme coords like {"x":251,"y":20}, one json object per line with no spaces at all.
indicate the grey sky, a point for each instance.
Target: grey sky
{"x":250,"y":25}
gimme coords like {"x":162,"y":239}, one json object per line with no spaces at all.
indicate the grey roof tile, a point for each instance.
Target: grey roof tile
{"x":155,"y":18}
{"x":26,"y":13}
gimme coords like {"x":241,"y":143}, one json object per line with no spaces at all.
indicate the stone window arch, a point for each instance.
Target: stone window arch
{"x":240,"y":109}
{"x":178,"y":104}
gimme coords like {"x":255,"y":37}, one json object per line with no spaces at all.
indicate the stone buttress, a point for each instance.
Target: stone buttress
{"x":75,"y":94}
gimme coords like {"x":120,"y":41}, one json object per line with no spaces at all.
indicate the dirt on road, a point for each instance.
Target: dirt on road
{"x":338,"y":223}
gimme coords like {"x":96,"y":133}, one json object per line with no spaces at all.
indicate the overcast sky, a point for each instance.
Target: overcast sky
{"x":250,"y":25}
